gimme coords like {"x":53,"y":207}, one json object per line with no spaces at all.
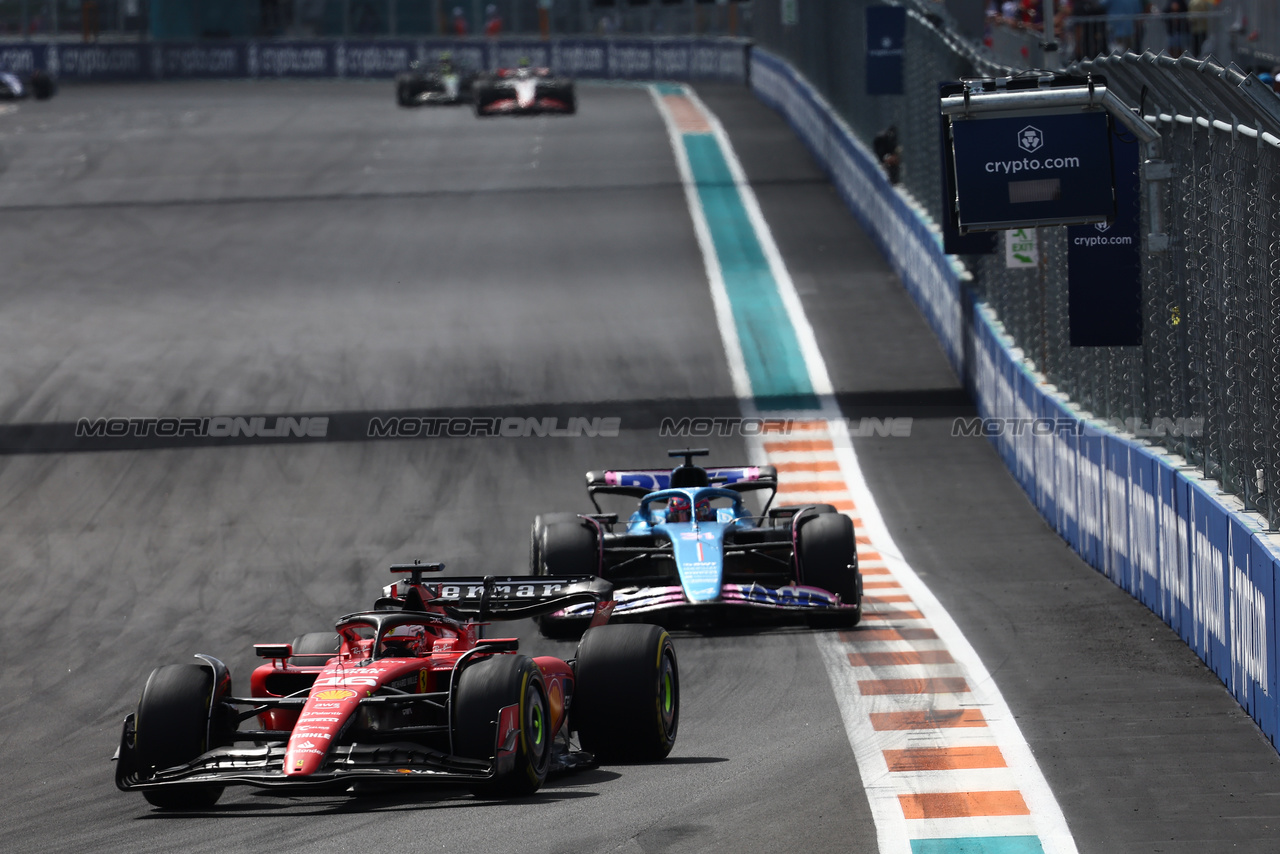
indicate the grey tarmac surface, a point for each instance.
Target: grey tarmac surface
{"x":1140,"y":742}
{"x":226,"y":248}
{"x":230,"y":248}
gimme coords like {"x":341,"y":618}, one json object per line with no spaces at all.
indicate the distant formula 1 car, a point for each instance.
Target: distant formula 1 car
{"x":445,"y":83}
{"x":410,"y":692}
{"x":37,"y":84}
{"x":523,"y":91}
{"x":693,"y":553}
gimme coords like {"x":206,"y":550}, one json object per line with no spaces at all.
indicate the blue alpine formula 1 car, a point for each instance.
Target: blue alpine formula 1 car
{"x":693,"y":552}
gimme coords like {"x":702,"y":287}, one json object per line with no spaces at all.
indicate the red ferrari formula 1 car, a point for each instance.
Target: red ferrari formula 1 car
{"x":410,"y":692}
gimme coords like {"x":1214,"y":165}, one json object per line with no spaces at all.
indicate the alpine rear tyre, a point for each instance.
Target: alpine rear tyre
{"x":626,"y":700}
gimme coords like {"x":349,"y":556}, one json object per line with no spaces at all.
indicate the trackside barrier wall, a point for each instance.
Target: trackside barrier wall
{"x":1152,"y":527}
{"x":677,"y":58}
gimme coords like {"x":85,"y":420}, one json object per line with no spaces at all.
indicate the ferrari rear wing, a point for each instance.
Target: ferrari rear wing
{"x":499,"y":597}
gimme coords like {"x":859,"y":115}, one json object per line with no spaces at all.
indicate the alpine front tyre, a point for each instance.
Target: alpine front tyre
{"x":484,"y":690}
{"x":826,"y":555}
{"x":562,"y":545}
{"x":626,"y":700}
{"x":172,"y":728}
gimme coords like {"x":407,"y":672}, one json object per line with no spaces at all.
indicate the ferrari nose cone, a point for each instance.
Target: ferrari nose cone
{"x":327,"y":709}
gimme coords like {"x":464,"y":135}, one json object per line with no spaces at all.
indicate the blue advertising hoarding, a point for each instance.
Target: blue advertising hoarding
{"x":1206,"y":570}
{"x":886,"y":29}
{"x":1104,"y":262}
{"x":1026,"y":171}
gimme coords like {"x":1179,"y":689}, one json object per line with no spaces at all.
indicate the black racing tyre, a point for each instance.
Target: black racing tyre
{"x":314,"y":649}
{"x":173,"y":728}
{"x":402,"y":95}
{"x":561,"y":544}
{"x":813,"y":508}
{"x":41,"y":85}
{"x":827,"y":557}
{"x":626,"y":694}
{"x":569,"y":549}
{"x":486,"y":687}
{"x":536,"y":533}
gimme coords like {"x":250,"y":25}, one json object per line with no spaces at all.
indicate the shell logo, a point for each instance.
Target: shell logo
{"x":335,"y":694}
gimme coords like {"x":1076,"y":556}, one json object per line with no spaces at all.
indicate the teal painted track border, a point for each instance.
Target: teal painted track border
{"x":774,"y":362}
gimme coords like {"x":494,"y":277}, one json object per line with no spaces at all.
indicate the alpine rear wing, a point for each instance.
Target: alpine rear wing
{"x":637,"y":483}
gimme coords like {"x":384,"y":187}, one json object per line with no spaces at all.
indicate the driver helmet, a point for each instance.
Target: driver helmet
{"x":403,"y":641}
{"x":703,"y":511}
{"x":677,"y":509}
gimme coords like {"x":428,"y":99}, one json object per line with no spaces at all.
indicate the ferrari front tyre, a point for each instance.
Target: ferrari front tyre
{"x":484,"y":690}
{"x":626,"y":695}
{"x":314,"y":649}
{"x":827,"y":558}
{"x":173,"y":729}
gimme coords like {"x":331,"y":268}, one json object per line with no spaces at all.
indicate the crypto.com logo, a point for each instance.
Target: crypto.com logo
{"x":1030,"y":139}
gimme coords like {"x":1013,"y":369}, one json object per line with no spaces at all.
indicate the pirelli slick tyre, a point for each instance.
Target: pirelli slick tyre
{"x":314,"y":649}
{"x":626,"y":696}
{"x":563,"y":545}
{"x":812,"y":508}
{"x":827,"y":557}
{"x":568,"y":549}
{"x":172,"y":728}
{"x":538,"y":531}
{"x":42,"y":85}
{"x":484,"y":96}
{"x":484,"y":689}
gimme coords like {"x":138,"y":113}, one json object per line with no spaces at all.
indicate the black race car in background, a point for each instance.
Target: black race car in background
{"x":15,"y":87}
{"x":523,"y":91}
{"x":442,"y":83}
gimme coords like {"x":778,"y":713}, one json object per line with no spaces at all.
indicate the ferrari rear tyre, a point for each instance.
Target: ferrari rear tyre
{"x":827,"y":558}
{"x":484,"y":689}
{"x":173,"y":728}
{"x":314,"y":649}
{"x":626,"y":696}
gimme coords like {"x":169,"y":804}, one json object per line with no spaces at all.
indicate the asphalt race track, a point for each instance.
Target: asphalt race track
{"x":234,"y":248}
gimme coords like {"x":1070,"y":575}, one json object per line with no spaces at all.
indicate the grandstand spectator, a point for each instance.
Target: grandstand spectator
{"x":1176,"y":26}
{"x":1122,"y":23}
{"x":1091,"y":28}
{"x":1199,"y":24}
{"x":492,"y":21}
{"x":460,"y":27}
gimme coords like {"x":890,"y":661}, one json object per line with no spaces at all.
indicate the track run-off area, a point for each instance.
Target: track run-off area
{"x":235,"y":249}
